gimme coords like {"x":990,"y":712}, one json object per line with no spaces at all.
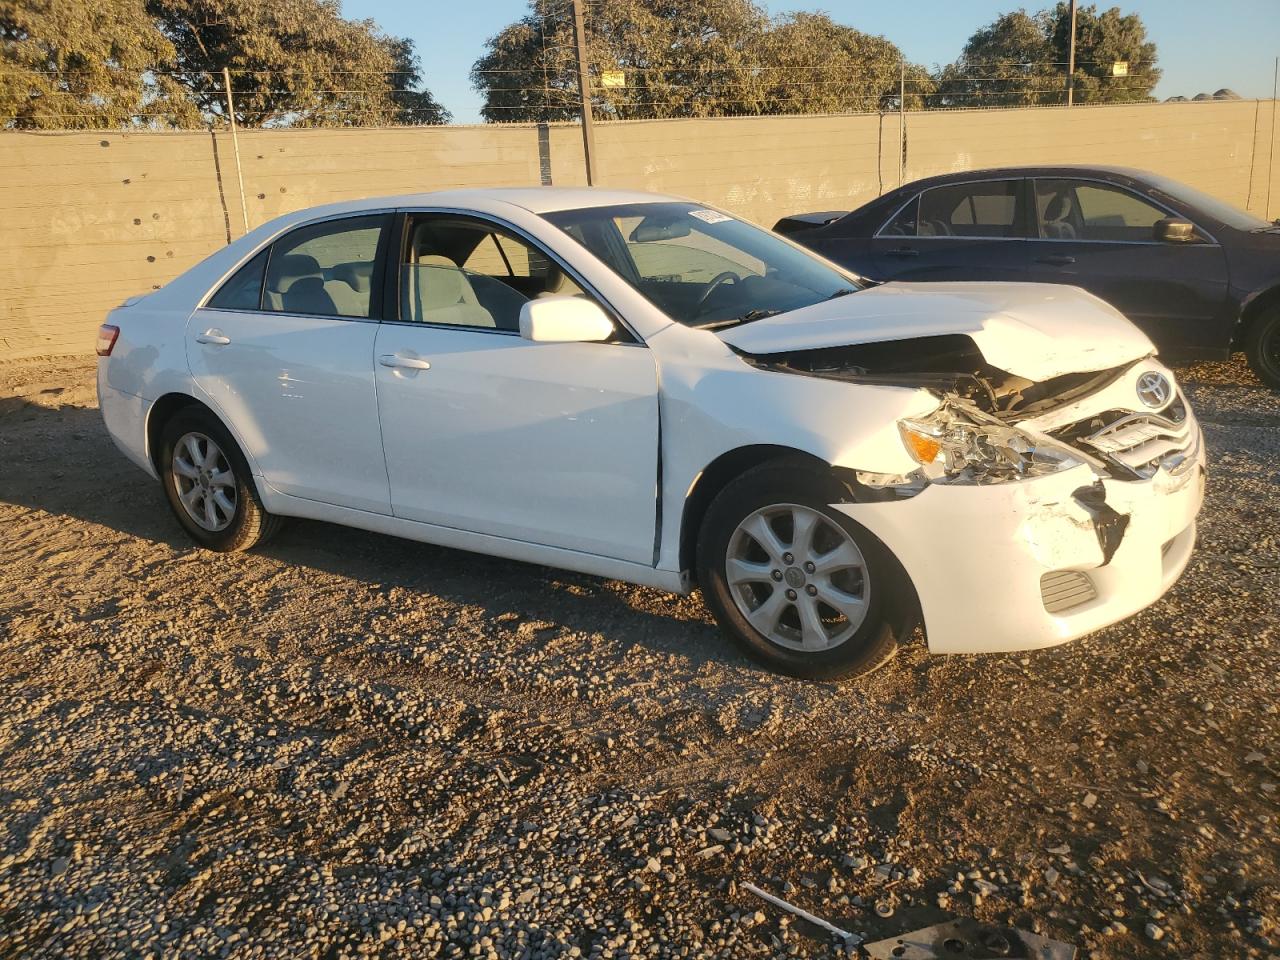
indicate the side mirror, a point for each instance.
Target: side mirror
{"x":564,"y":320}
{"x":1175,"y":230}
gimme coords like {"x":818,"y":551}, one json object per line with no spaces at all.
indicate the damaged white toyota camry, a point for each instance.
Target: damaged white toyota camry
{"x":649,"y":389}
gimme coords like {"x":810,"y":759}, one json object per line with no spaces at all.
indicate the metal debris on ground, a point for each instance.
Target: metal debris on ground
{"x":971,"y":940}
{"x":802,"y":913}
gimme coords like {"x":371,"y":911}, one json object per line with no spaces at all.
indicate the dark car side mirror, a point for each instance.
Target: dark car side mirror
{"x":1175,"y":230}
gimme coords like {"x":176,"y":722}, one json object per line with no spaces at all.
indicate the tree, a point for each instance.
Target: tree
{"x":682,"y":58}
{"x":67,"y":64}
{"x":676,"y":58}
{"x":294,"y":63}
{"x":1021,"y":60}
{"x":1101,"y":40}
{"x":814,"y":65}
{"x":1006,"y":63}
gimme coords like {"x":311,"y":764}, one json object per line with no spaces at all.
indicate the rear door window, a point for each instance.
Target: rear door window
{"x":327,"y":269}
{"x":988,"y":209}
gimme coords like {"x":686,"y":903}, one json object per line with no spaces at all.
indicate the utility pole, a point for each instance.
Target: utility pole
{"x":1071,"y":59}
{"x":584,"y":91}
{"x":235,"y":143}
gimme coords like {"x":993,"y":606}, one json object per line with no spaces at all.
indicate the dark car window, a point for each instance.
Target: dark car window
{"x":244,"y":290}
{"x":904,"y":223}
{"x":326,"y":269}
{"x":989,"y":209}
{"x":1086,"y":210}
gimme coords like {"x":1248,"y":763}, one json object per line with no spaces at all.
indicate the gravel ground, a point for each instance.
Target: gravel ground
{"x":348,"y":745}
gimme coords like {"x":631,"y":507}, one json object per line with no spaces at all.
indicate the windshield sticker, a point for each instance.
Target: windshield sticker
{"x":710,"y":216}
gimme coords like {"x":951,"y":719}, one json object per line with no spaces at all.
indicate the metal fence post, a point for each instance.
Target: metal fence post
{"x":1271,"y":154}
{"x":235,"y":144}
{"x":902,"y":119}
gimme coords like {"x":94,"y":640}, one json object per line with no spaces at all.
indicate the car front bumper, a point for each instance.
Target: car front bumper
{"x":977,"y":554}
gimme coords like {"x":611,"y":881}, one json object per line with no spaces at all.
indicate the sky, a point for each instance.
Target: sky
{"x":1203,"y":45}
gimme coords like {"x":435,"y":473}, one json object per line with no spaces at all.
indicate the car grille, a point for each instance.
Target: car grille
{"x":1138,"y":444}
{"x":1064,"y":589}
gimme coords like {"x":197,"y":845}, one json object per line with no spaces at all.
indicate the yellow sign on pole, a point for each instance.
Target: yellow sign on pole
{"x":1120,"y":68}
{"x":613,"y":78}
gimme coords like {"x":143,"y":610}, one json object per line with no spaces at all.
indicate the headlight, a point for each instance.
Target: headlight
{"x":959,"y":444}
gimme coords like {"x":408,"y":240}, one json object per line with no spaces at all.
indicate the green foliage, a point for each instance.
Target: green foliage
{"x":686,"y":58}
{"x":815,"y":65}
{"x":68,"y":64}
{"x":1102,"y":39}
{"x":1021,"y":60}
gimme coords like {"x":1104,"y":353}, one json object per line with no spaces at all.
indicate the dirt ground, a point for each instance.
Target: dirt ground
{"x":346,"y":745}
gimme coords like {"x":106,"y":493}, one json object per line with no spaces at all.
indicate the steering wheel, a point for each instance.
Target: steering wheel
{"x":718,"y":281}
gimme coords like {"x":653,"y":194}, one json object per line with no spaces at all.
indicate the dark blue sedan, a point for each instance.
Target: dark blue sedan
{"x":1199,"y":276}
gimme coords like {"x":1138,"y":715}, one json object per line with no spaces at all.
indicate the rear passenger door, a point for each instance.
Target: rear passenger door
{"x":958,"y":231}
{"x":284,"y":352}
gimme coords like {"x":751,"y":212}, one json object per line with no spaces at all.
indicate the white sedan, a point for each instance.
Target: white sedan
{"x":650,"y":389}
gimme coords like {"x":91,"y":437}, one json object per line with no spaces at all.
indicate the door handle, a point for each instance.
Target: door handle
{"x":904,"y":252}
{"x":1057,"y":261}
{"x":214,"y":337}
{"x":403,"y":362}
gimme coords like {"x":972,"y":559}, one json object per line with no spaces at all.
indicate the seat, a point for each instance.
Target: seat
{"x":438,"y":291}
{"x":556,"y":283}
{"x":284,"y":274}
{"x":308,"y":295}
{"x":1057,"y":218}
{"x":350,"y":285}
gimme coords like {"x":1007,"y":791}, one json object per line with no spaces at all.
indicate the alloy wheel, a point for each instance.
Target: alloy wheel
{"x":205,"y":481}
{"x":798,"y":577}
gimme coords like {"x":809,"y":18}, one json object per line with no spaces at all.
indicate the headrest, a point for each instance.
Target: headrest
{"x":441,"y":280}
{"x":1059,"y":207}
{"x":287,"y":270}
{"x":359,"y":276}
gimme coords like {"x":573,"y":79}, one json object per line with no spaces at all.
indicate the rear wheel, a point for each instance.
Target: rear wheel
{"x":207,"y":482}
{"x":796,"y":584}
{"x":1262,"y":346}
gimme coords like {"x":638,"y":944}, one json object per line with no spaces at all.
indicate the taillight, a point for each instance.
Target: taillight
{"x":107,"y":334}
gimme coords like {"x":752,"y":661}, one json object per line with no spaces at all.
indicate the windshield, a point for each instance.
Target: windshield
{"x":702,"y":267}
{"x":1219,"y":210}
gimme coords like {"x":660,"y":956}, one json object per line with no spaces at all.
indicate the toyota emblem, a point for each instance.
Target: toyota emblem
{"x":1154,"y":389}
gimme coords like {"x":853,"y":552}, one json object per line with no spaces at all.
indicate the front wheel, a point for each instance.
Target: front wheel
{"x":1262,"y":346}
{"x":207,"y":482}
{"x":796,"y":584}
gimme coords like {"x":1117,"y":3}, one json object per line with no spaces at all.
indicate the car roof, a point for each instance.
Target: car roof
{"x":537,"y":200}
{"x":1041,"y":170}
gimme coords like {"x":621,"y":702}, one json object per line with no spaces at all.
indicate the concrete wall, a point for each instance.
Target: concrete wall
{"x":92,"y":218}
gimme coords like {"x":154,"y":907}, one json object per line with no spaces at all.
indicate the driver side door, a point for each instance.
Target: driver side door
{"x":484,"y":431}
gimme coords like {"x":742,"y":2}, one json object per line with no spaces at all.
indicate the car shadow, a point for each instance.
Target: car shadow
{"x":60,"y":460}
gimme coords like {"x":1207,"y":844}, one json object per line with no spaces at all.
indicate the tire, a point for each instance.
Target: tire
{"x":1262,"y":346}
{"x":199,"y":460}
{"x":731,"y":569}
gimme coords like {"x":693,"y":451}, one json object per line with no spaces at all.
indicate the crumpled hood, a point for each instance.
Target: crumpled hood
{"x":1031,"y":330}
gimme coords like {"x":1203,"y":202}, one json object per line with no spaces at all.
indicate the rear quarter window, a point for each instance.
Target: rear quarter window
{"x":243,"y":291}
